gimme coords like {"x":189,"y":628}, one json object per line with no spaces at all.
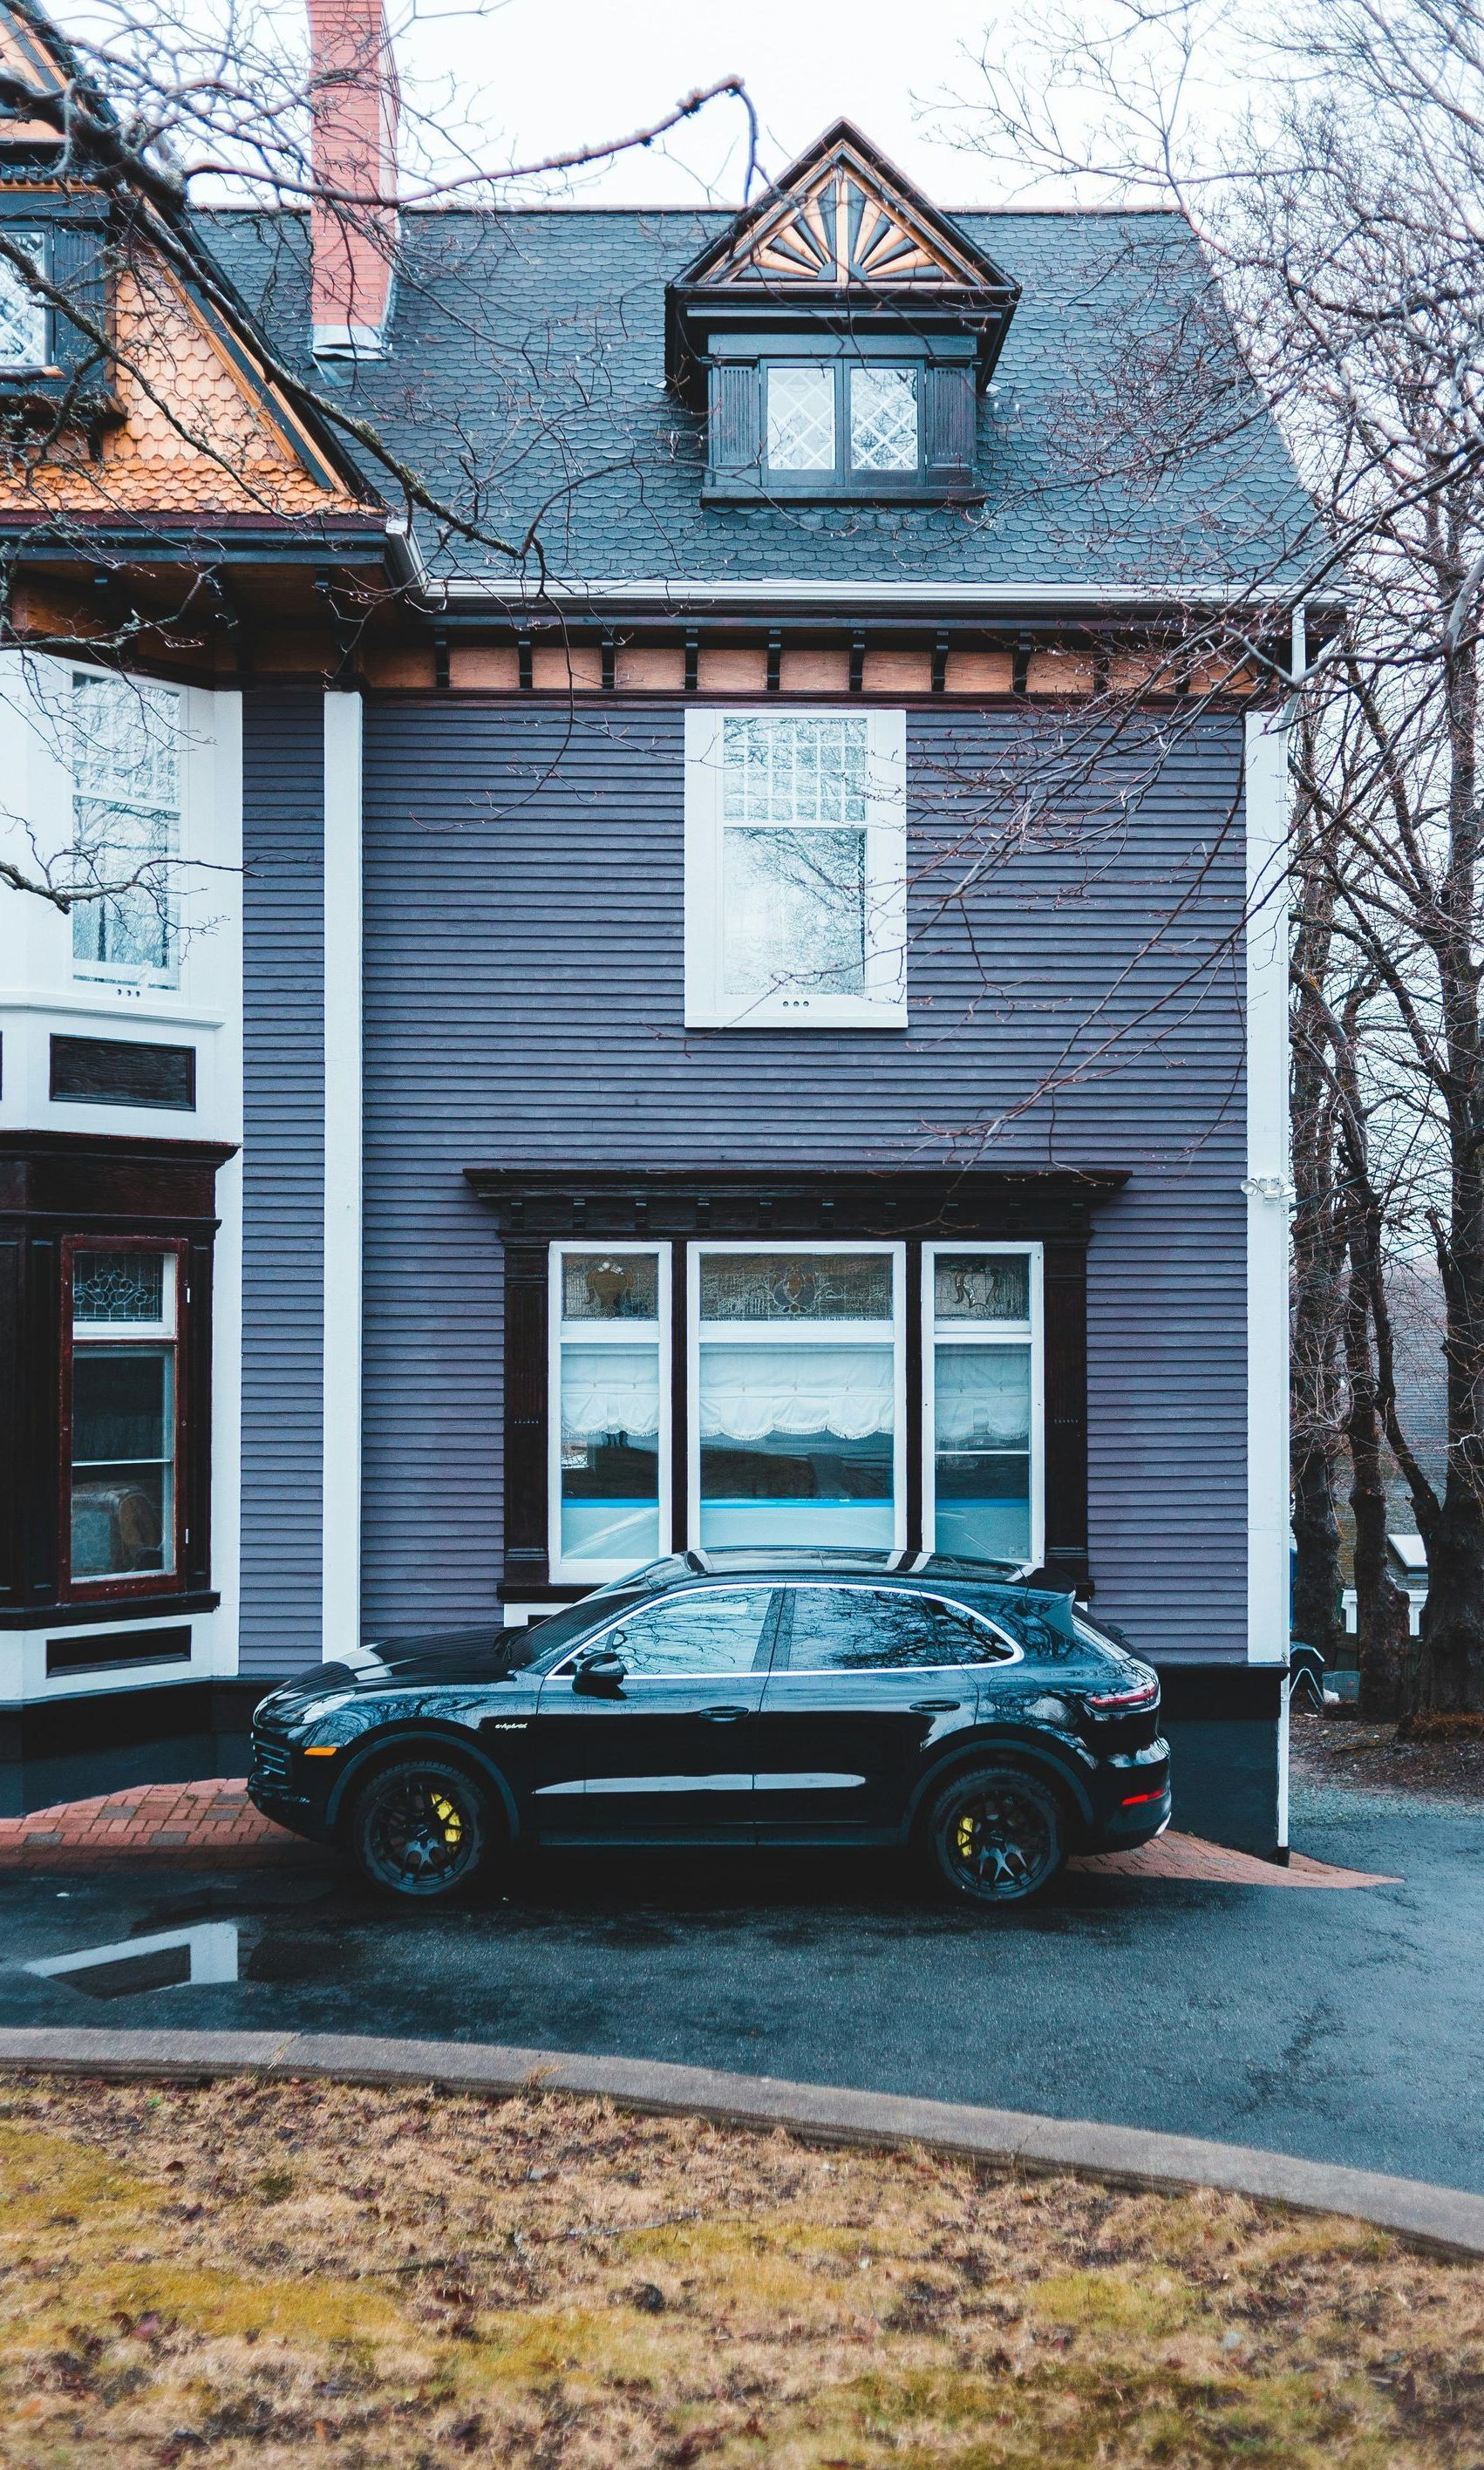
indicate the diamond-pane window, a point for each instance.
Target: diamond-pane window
{"x":884,"y":420}
{"x":801,"y":418}
{"x":22,"y":311}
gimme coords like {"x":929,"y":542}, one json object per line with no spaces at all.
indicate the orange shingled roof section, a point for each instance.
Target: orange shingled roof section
{"x":192,"y":440}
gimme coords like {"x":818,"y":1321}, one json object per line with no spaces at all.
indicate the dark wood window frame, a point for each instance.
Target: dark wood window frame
{"x":60,"y":1194}
{"x":1053,"y":1209}
{"x":123,"y":1587}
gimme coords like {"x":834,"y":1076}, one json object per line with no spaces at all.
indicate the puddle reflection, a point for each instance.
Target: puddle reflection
{"x":166,"y":1960}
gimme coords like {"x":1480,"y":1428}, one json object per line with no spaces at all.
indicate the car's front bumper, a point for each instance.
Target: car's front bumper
{"x":278,"y":1785}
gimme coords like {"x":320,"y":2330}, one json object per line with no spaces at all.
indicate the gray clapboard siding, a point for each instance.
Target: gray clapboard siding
{"x":283,"y":1180}
{"x":524,"y":980}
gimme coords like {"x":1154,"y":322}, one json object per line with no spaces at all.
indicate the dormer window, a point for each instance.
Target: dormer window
{"x":23,"y":313}
{"x":46,"y":356}
{"x":836,"y":337}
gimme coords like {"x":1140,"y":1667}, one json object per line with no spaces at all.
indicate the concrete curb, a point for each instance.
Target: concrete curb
{"x":1444,"y":2219}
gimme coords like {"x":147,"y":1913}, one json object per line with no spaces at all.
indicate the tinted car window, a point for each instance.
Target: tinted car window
{"x":708,"y":1632}
{"x":855,"y":1629}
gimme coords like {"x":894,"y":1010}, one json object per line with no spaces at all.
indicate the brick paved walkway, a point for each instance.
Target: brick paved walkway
{"x":192,"y":1824}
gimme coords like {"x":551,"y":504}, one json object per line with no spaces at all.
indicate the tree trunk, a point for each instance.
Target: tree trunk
{"x":1445,"y":1676}
{"x":1318,"y":1590}
{"x":1381,"y":1609}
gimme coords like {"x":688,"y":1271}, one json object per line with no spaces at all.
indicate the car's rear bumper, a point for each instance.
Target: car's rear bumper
{"x":1130,"y":1799}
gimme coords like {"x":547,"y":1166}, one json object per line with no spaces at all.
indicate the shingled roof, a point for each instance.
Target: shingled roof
{"x":1121,"y":447}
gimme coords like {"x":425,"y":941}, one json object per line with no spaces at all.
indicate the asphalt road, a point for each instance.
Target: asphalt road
{"x":1342,"y":2026}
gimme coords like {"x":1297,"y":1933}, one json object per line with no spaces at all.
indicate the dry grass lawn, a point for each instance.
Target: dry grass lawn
{"x":242,"y":2275}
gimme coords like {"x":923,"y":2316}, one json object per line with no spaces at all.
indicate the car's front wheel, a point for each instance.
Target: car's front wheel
{"x":421,"y":1827}
{"x":995,"y":1836}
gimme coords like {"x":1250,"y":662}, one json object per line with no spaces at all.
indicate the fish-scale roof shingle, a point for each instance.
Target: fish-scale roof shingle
{"x":526,"y":383}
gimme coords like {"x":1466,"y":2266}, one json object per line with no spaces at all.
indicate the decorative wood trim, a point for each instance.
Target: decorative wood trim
{"x":1065,"y":1274}
{"x":680,"y":1403}
{"x":526,"y":1333}
{"x":913,"y":1349}
{"x":669,"y":1202}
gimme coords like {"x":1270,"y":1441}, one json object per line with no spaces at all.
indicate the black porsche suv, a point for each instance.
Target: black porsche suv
{"x":792,"y":1697}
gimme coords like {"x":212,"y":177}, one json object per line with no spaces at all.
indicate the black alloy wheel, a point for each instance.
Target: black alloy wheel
{"x":996,"y":1835}
{"x":421,"y":1829}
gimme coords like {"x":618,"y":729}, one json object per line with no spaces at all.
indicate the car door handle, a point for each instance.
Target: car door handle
{"x":935,"y":1706}
{"x":723,"y":1714}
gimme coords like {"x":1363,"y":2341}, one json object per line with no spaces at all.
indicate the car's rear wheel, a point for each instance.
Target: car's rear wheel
{"x":995,"y":1836}
{"x":421,"y":1827}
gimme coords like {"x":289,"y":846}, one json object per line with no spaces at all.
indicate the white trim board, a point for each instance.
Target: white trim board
{"x":1266,"y":1185}
{"x":341,"y":1540}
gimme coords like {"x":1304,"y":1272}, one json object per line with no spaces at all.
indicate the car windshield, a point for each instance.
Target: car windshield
{"x":560,"y":1628}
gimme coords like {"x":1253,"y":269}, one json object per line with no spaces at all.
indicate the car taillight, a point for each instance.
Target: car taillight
{"x":1114,"y":1702}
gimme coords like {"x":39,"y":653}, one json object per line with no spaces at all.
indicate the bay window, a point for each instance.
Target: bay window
{"x":882,"y":1395}
{"x":122,"y":1413}
{"x":794,"y":870}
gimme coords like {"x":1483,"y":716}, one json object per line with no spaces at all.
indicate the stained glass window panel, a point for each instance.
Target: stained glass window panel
{"x":982,"y":1286}
{"x":22,"y":311}
{"x":118,"y":1287}
{"x":801,"y":418}
{"x":884,"y":420}
{"x":796,"y":1286}
{"x":611,"y":1286}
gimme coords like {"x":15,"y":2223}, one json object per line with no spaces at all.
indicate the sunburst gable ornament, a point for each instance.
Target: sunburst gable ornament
{"x":843,"y":230}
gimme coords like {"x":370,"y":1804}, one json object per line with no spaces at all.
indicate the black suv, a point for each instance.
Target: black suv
{"x":735,"y":1699}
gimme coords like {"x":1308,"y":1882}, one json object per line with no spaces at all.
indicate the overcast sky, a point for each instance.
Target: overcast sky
{"x":555,"y":73}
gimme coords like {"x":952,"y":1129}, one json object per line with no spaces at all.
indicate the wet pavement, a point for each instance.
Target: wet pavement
{"x":1342,"y":2027}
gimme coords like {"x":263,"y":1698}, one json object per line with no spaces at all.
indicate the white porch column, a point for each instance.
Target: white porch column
{"x":1267,"y":1186}
{"x":340,"y":1579}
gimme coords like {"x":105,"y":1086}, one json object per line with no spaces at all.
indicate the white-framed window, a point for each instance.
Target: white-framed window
{"x":23,"y":312}
{"x":123,"y":1410}
{"x":609,"y":1487}
{"x":983,"y":1404}
{"x":795,"y":870}
{"x":798,"y":1397}
{"x":126,"y":740}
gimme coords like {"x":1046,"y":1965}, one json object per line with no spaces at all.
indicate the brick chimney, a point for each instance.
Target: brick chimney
{"x":352,"y":234}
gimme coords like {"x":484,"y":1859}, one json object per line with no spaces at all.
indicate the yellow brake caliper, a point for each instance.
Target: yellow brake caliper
{"x":967,"y":1835}
{"x":447,"y":1818}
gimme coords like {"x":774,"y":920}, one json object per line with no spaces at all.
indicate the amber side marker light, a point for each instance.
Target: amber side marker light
{"x":327,"y":1752}
{"x":1132,"y":1800}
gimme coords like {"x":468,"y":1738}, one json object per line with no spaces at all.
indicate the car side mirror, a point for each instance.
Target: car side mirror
{"x":600,"y":1673}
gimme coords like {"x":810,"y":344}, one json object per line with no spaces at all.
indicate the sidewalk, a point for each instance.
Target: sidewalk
{"x":197,"y":1824}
